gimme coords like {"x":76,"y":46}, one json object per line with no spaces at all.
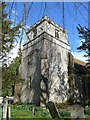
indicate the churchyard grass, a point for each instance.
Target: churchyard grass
{"x":26,"y":111}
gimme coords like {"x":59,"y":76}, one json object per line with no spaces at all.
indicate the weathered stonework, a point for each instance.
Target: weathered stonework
{"x":45,"y":64}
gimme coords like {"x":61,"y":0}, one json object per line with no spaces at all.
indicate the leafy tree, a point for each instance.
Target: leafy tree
{"x":10,"y":76}
{"x":84,"y":34}
{"x":9,"y":33}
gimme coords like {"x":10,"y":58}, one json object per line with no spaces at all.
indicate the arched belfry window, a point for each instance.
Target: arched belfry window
{"x":56,"y":33}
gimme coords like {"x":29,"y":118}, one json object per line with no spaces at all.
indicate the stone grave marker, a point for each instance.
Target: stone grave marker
{"x":77,"y":111}
{"x":53,"y":110}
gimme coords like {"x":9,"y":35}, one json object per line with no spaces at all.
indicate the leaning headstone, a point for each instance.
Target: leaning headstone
{"x":53,"y":110}
{"x":77,"y":111}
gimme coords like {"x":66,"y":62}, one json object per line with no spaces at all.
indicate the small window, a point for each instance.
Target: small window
{"x":34,"y":32}
{"x":29,"y":82}
{"x":59,"y":57}
{"x":56,"y":33}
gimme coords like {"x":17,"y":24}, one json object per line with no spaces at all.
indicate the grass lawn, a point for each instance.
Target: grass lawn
{"x":26,"y":111}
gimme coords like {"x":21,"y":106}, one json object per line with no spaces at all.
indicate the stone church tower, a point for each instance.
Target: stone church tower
{"x":45,"y":64}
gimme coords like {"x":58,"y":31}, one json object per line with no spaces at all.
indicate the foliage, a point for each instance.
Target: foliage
{"x":87,"y":110}
{"x":9,"y":33}
{"x":65,"y":115}
{"x":71,"y":89}
{"x":10,"y":76}
{"x":84,"y":34}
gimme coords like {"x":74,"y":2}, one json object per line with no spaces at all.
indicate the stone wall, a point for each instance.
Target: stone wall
{"x":45,"y":67}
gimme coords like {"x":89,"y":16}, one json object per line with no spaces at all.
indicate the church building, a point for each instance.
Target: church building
{"x":45,"y":63}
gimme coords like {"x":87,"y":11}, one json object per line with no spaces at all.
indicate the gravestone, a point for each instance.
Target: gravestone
{"x":77,"y":111}
{"x":5,"y":108}
{"x":53,"y":110}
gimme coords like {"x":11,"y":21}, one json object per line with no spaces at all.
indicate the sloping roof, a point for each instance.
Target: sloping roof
{"x":79,"y":66}
{"x":79,"y":62}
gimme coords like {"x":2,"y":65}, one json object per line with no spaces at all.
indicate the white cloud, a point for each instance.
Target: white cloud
{"x":13,"y":53}
{"x":79,"y":55}
{"x":26,"y":27}
{"x":14,"y":12}
{"x":80,"y":42}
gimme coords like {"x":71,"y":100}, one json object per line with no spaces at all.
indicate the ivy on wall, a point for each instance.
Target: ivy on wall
{"x":71,"y":77}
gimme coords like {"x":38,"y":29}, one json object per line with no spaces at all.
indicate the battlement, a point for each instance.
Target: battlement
{"x":48,"y":26}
